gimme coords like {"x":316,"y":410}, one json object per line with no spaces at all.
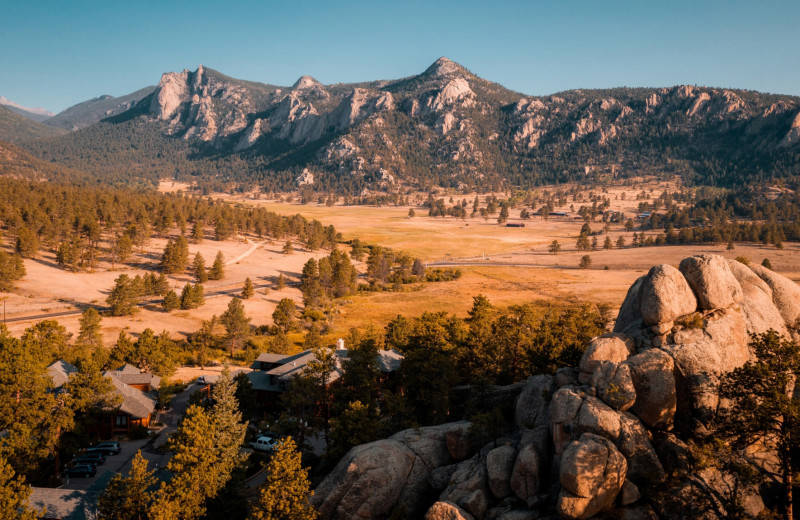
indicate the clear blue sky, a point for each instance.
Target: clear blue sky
{"x":57,"y":53}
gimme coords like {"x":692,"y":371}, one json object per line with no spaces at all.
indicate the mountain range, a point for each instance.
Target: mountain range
{"x":443,"y":127}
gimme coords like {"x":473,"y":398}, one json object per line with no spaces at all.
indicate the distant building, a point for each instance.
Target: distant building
{"x":515,"y":224}
{"x":272,"y":373}
{"x":135,"y":377}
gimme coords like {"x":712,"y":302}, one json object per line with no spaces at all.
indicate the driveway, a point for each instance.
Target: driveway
{"x":121,"y":462}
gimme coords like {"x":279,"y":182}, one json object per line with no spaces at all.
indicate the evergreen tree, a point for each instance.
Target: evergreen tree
{"x":128,"y":498}
{"x":281,"y":284}
{"x":121,"y":352}
{"x":12,"y":269}
{"x":554,"y":247}
{"x":14,"y":493}
{"x":197,"y":231}
{"x":217,"y":271}
{"x":358,"y":424}
{"x":124,"y":296}
{"x":586,"y":262}
{"x":248,"y":290}
{"x":310,"y":285}
{"x":229,"y":429}
{"x":288,"y":248}
{"x":121,"y":249}
{"x":27,"y":244}
{"x":607,"y":244}
{"x":89,"y":335}
{"x":176,"y":256}
{"x":285,"y":493}
{"x":192,"y":296}
{"x":284,"y":314}
{"x":763,"y":413}
{"x":171,"y":301}
{"x":236,"y":323}
{"x":199,"y":267}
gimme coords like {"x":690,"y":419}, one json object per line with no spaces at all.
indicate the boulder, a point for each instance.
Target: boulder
{"x":440,"y":477}
{"x":460,"y":444}
{"x":785,"y":293}
{"x":475,"y":503}
{"x":759,"y":311}
{"x":653,"y":379}
{"x":713,"y":282}
{"x":592,"y":473}
{"x":700,"y":355}
{"x":526,"y":477}
{"x":644,"y":467}
{"x":595,"y":417}
{"x":374,"y":478}
{"x":629,"y":316}
{"x":609,"y":347}
{"x":629,"y":494}
{"x":614,"y":385}
{"x":518,"y":514}
{"x":532,"y":402}
{"x":367,"y":482}
{"x":564,"y":405}
{"x":447,"y":511}
{"x":499,"y":465}
{"x":665,"y":295}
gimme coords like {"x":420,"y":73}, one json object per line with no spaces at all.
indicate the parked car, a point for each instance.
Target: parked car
{"x":81,"y":470}
{"x":201,"y":380}
{"x":90,"y":458}
{"x":264,"y":443}
{"x":104,"y":448}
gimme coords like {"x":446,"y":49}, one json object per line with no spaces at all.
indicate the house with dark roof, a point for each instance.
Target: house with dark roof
{"x":272,"y":373}
{"x":135,"y":410}
{"x":60,"y":372}
{"x":138,"y":379}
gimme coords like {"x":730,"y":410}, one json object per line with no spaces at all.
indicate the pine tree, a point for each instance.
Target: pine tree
{"x":284,"y":313}
{"x":121,"y":249}
{"x":128,"y":498}
{"x":89,"y":335}
{"x":285,"y":493}
{"x":229,"y":430}
{"x":248,"y":290}
{"x":608,"y":244}
{"x":199,"y":267}
{"x":197,"y":231}
{"x":14,"y":495}
{"x":236,"y":323}
{"x":288,"y":248}
{"x":554,"y":247}
{"x":12,"y":268}
{"x":27,"y":244}
{"x":171,"y":301}
{"x":217,"y":271}
{"x":281,"y":282}
{"x":124,"y":296}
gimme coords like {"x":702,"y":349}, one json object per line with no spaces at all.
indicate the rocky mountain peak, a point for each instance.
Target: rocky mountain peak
{"x":306,"y":82}
{"x":444,"y":67}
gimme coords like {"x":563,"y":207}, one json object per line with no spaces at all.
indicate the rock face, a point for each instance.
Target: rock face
{"x":592,"y":474}
{"x":606,"y":438}
{"x":665,"y":295}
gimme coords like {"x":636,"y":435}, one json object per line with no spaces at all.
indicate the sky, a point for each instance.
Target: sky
{"x":54,"y":54}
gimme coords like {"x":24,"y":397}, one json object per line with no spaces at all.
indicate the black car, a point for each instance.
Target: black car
{"x":90,"y":458}
{"x":81,"y":470}
{"x":105,"y":448}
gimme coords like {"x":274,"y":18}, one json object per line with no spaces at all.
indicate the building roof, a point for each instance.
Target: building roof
{"x":211,"y":379}
{"x":64,"y":504}
{"x":268,"y":357}
{"x":60,"y":371}
{"x":134,"y":402}
{"x":132,"y":375}
{"x":389,"y":360}
{"x":262,"y":381}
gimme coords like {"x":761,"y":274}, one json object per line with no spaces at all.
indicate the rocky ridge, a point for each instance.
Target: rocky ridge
{"x":605,"y":439}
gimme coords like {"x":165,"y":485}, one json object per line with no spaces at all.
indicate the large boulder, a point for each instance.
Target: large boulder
{"x":499,"y":465}
{"x":701,"y":354}
{"x":629,"y":316}
{"x":564,"y":408}
{"x":665,"y":295}
{"x":374,"y":478}
{"x":526,"y":477}
{"x":614,"y":384}
{"x":759,"y":311}
{"x":367,"y":482}
{"x":633,"y":442}
{"x":609,"y":347}
{"x":595,"y":417}
{"x":592,"y":473}
{"x":532,"y":403}
{"x":713,"y":282}
{"x":468,"y":487}
{"x":653,"y":379}
{"x":785,"y":294}
{"x":447,"y":511}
